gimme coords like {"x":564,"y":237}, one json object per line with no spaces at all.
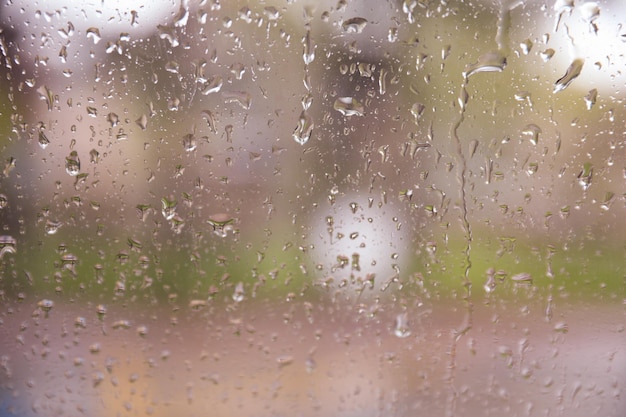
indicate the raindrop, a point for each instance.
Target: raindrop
{"x":590,"y":98}
{"x":348,"y":106}
{"x":113,"y":119}
{"x":572,"y":72}
{"x":547,"y":54}
{"x":4,"y":201}
{"x":52,"y":227}
{"x":522,"y":278}
{"x":181,"y":17}
{"x":45,"y":305}
{"x":142,"y":122}
{"x":401,"y":328}
{"x":238,"y":294}
{"x":240,"y":97}
{"x":8,"y":244}
{"x":222,"y":224}
{"x":189,"y":142}
{"x":72,"y":164}
{"x":168,"y":208}
{"x":94,"y":34}
{"x":213,"y":85}
{"x":493,"y":61}
{"x":585,"y":176}
{"x":303,"y":131}
{"x":309,"y":49}
{"x":43,"y":140}
{"x":533,"y":131}
{"x":590,"y":11}
{"x":354,"y":25}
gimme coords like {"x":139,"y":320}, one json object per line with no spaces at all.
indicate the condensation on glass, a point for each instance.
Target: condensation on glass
{"x":282,"y":207}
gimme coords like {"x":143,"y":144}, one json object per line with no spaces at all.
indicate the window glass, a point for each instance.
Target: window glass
{"x":283,"y":207}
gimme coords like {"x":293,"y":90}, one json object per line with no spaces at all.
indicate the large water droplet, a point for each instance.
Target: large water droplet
{"x":354,"y":25}
{"x":401,"y":328}
{"x":349,"y":106}
{"x":72,"y":164}
{"x":303,"y":131}
{"x":572,"y":72}
{"x":8,"y":244}
{"x":493,"y":61}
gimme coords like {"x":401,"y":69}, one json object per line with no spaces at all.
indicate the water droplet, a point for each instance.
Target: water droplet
{"x":303,"y":131}
{"x":240,"y":97}
{"x":533,"y":131}
{"x":354,"y":25}
{"x":590,"y":98}
{"x":522,"y":278}
{"x":172,"y":66}
{"x":8,"y":244}
{"x":43,"y":140}
{"x":72,"y":164}
{"x":526,"y":46}
{"x":4,"y":201}
{"x":113,"y":119}
{"x":401,"y":328}
{"x":572,"y":72}
{"x":52,"y":227}
{"x":309,"y":49}
{"x":181,"y":17}
{"x":561,"y":327}
{"x":222,"y":224}
{"x":168,"y":208}
{"x":94,"y":34}
{"x":585,"y":176}
{"x":547,"y":54}
{"x":189,"y":142}
{"x":238,"y":295}
{"x":142,"y":122}
{"x":348,"y":106}
{"x":213,"y":85}
{"x":46,"y":94}
{"x":45,"y":305}
{"x":562,"y":7}
{"x":167,"y":32}
{"x":590,"y":11}
{"x":493,"y":61}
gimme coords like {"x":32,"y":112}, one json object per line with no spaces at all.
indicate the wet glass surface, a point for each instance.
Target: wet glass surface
{"x":347,"y":208}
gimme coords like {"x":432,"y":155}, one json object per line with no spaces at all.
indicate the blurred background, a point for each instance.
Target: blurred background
{"x":349,"y":208}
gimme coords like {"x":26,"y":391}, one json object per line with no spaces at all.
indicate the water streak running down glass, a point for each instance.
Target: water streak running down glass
{"x":293,"y":207}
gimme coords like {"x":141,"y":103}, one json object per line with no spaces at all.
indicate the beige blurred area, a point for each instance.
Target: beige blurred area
{"x":308,"y":360}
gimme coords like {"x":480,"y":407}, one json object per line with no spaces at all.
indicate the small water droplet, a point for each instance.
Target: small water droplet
{"x":8,"y":244}
{"x":590,"y":11}
{"x":547,"y":54}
